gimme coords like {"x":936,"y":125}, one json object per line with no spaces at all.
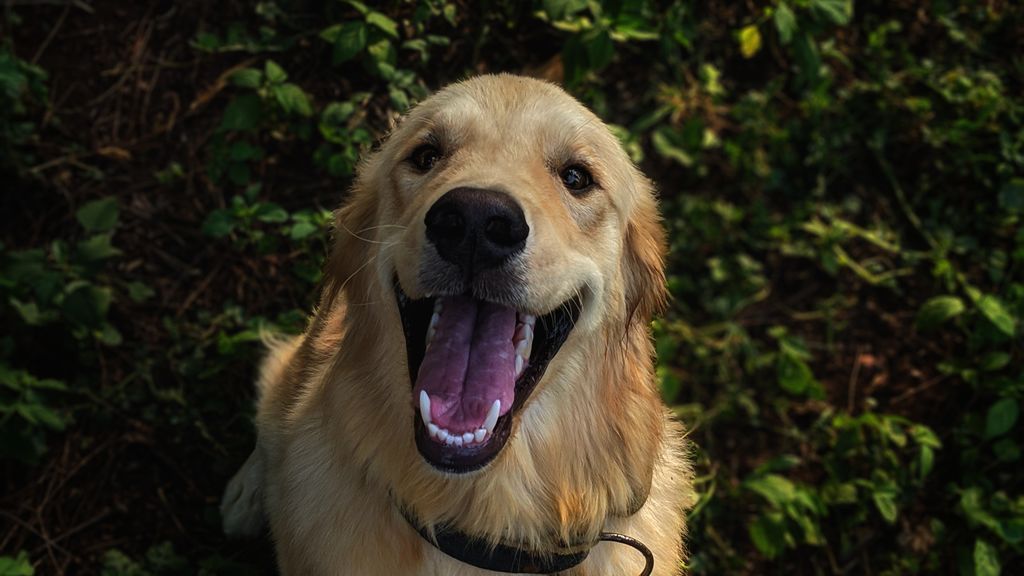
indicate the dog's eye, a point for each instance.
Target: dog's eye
{"x":425,"y":157}
{"x":576,"y":178}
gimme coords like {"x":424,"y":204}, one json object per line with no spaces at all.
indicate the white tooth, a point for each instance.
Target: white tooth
{"x":437,"y":306}
{"x":424,"y":407}
{"x":467,"y":438}
{"x":479,"y":435}
{"x":433,"y":429}
{"x":457,"y":440}
{"x":519,"y":364}
{"x":442,"y":435}
{"x":530,"y":320}
{"x":492,"y":416}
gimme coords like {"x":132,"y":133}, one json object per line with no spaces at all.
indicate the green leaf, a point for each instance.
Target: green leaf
{"x":774,"y":488}
{"x":243,"y":114}
{"x":768,"y":535}
{"x":28,"y":311}
{"x":885,"y":502}
{"x":556,"y":9}
{"x":599,"y":50}
{"x":242,"y":151}
{"x":993,"y":308}
{"x":986,"y":559}
{"x":16,"y":566}
{"x":98,"y":215}
{"x":333,"y":122}
{"x":219,"y":223}
{"x":1001,"y":417}
{"x":247,"y":78}
{"x":836,"y":11}
{"x":937,"y":311}
{"x":348,"y":39}
{"x":42,"y":415}
{"x":793,"y":374}
{"x":663,"y":140}
{"x":995,"y":361}
{"x":302,"y":229}
{"x":382,"y":22}
{"x":382,"y":52}
{"x":87,"y":305}
{"x":785,"y":22}
{"x":293,"y":100}
{"x":275,"y":74}
{"x":270,"y":212}
{"x":139,"y":292}
{"x":109,"y":335}
{"x":750,"y":41}
{"x":95,"y":249}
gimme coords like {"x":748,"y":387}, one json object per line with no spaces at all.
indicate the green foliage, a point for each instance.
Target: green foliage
{"x":17,"y":566}
{"x":22,"y":90}
{"x":843,"y":187}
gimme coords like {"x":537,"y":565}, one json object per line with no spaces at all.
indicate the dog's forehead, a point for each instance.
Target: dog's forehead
{"x":509,"y":107}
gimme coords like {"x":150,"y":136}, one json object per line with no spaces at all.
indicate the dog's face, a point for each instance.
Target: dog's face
{"x":515,"y":235}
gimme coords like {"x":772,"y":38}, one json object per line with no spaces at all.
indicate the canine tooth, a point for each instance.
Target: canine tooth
{"x":442,"y":435}
{"x":492,"y":416}
{"x":519,"y":364}
{"x":467,"y":438}
{"x":424,"y":406}
{"x":479,"y":435}
{"x":432,"y":429}
{"x":530,"y":320}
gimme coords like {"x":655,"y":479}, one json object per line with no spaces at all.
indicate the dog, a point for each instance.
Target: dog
{"x":475,"y":391}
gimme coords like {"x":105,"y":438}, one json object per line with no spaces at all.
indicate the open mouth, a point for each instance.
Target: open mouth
{"x":473,"y":364}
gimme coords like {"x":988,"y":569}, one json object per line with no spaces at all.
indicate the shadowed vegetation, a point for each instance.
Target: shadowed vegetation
{"x":843,"y":185}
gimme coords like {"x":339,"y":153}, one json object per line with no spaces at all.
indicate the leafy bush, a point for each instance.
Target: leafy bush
{"x":843,"y":185}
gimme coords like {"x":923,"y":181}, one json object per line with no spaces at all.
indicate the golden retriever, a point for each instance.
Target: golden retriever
{"x":475,"y":390}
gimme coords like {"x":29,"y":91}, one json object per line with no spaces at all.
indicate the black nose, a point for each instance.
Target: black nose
{"x":476,"y":229}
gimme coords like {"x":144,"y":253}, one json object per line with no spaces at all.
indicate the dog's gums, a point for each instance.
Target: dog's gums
{"x":473,"y":365}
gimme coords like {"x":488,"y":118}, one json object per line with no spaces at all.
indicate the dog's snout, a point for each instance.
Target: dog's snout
{"x":476,"y":229}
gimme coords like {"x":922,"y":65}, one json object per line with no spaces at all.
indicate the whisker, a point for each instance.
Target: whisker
{"x":364,"y":239}
{"x":384,"y":226}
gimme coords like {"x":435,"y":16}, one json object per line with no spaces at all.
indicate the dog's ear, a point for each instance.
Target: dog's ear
{"x":644,"y":258}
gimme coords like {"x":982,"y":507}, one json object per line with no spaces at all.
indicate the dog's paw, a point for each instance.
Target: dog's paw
{"x":241,"y":508}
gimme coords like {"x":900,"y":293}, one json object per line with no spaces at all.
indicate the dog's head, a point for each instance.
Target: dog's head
{"x":514,"y":239}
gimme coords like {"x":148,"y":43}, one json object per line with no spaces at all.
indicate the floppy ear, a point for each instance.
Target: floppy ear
{"x":644,"y":259}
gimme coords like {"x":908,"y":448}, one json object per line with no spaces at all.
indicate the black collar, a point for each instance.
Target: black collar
{"x":499,"y":558}
{"x":514,"y":559}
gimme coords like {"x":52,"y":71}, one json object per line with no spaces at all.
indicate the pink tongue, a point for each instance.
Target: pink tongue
{"x":469,"y":363}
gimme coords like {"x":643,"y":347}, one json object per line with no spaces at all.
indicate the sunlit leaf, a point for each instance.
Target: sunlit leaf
{"x":937,"y":311}
{"x":785,"y":22}
{"x":750,"y":41}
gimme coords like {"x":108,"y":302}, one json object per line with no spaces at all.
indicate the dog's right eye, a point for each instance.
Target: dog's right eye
{"x":425,"y":157}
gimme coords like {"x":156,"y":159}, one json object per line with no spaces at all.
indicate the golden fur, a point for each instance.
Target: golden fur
{"x":593,"y":449}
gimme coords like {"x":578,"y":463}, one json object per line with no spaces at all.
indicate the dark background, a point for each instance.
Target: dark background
{"x":843,"y":185}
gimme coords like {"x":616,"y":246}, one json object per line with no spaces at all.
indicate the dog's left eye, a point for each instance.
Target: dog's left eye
{"x":576,"y":178}
{"x":425,"y":157}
